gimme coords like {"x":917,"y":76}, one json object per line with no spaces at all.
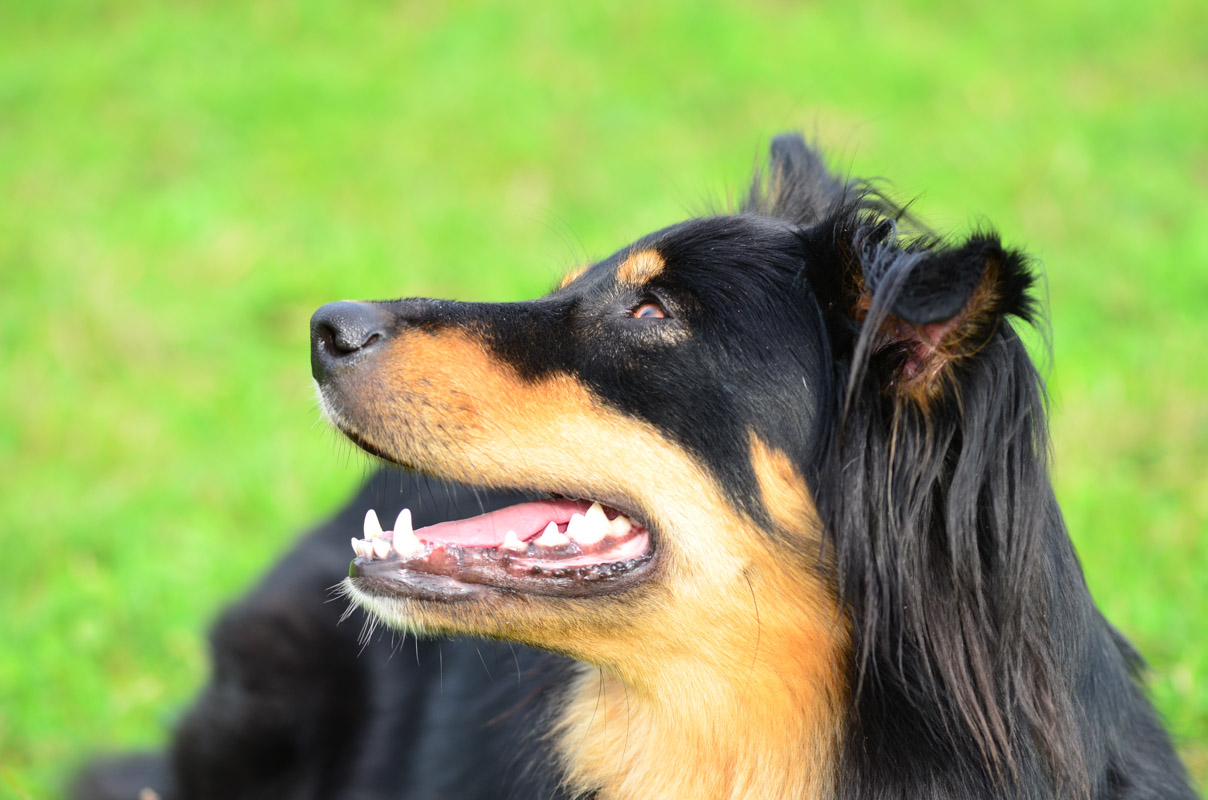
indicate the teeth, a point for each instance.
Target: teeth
{"x":588,"y":528}
{"x":576,"y":527}
{"x":512,"y":542}
{"x":403,"y":523}
{"x":407,"y":543}
{"x":373,"y":527}
{"x":595,"y":515}
{"x":620,"y":526}
{"x":551,"y":537}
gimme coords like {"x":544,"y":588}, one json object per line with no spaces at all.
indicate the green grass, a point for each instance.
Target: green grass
{"x":181,"y":184}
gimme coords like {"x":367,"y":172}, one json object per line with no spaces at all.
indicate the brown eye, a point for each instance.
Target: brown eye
{"x":648,"y":311}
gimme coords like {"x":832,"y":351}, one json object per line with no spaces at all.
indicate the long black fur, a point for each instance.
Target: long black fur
{"x":981,"y":667}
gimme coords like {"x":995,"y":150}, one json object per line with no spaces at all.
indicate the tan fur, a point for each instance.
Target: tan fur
{"x":572,"y":276}
{"x":963,"y":336}
{"x":938,"y":344}
{"x":752,"y":710}
{"x":722,"y":676}
{"x":641,"y":267}
{"x":785,"y":494}
{"x":749,"y":709}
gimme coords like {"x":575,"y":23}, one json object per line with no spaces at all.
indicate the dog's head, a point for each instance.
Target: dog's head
{"x":676,"y":383}
{"x":776,"y":416}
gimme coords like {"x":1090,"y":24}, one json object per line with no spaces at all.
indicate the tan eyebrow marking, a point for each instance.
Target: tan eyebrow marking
{"x":640,"y":267}
{"x":572,"y":276}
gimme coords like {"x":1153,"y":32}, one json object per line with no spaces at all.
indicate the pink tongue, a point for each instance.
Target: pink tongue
{"x":488,"y":530}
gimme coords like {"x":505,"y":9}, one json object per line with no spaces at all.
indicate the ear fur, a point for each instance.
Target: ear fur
{"x":933,"y":488}
{"x":923,"y":306}
{"x":936,"y":492}
{"x":927,"y":307}
{"x":797,"y":186}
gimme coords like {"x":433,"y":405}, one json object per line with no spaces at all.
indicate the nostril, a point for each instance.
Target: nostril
{"x":339,"y":330}
{"x":345,"y":340}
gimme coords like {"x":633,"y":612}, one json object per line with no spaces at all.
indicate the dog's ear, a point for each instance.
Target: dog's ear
{"x":797,"y":186}
{"x":925,"y":308}
{"x":935,"y":484}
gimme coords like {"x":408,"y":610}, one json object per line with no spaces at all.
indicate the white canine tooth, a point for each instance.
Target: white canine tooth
{"x":406,"y":543}
{"x":381,"y":548}
{"x":512,"y":542}
{"x":620,"y":526}
{"x":587,"y":529}
{"x":355,"y":545}
{"x":403,"y":523}
{"x":362,"y":548}
{"x":551,"y":537}
{"x":598,"y":523}
{"x":373,"y":527}
{"x":596,"y":516}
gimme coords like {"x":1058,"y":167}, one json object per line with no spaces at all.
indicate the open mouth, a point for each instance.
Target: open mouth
{"x":556,"y":547}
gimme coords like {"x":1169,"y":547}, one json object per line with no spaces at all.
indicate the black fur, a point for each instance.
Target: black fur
{"x":981,"y":667}
{"x":301,"y":705}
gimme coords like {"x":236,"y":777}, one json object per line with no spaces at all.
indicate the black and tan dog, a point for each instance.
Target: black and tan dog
{"x":775,"y":483}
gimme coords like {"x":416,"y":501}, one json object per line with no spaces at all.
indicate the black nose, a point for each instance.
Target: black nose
{"x":341,"y":332}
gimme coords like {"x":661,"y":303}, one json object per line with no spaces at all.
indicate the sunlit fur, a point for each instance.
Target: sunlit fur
{"x":860,"y":586}
{"x":864,"y":588}
{"x":729,"y":637}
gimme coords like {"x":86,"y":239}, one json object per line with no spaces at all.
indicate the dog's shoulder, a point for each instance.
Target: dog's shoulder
{"x":304,"y":696}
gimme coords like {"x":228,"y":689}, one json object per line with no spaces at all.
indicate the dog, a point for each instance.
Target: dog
{"x":756,"y":507}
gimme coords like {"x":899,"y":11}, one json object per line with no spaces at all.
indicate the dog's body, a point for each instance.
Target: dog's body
{"x":302,"y":705}
{"x":828,"y":562}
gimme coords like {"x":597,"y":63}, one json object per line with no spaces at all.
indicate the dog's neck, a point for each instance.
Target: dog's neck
{"x":756,"y":719}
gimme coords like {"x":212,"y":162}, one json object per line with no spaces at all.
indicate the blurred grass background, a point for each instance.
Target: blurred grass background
{"x":182,"y":183}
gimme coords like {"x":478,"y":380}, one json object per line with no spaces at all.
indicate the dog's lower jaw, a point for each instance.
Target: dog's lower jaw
{"x":752,"y":707}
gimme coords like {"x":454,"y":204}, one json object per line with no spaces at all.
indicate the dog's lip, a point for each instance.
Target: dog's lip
{"x":396,"y":576}
{"x":370,"y":448}
{"x":467,"y":559}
